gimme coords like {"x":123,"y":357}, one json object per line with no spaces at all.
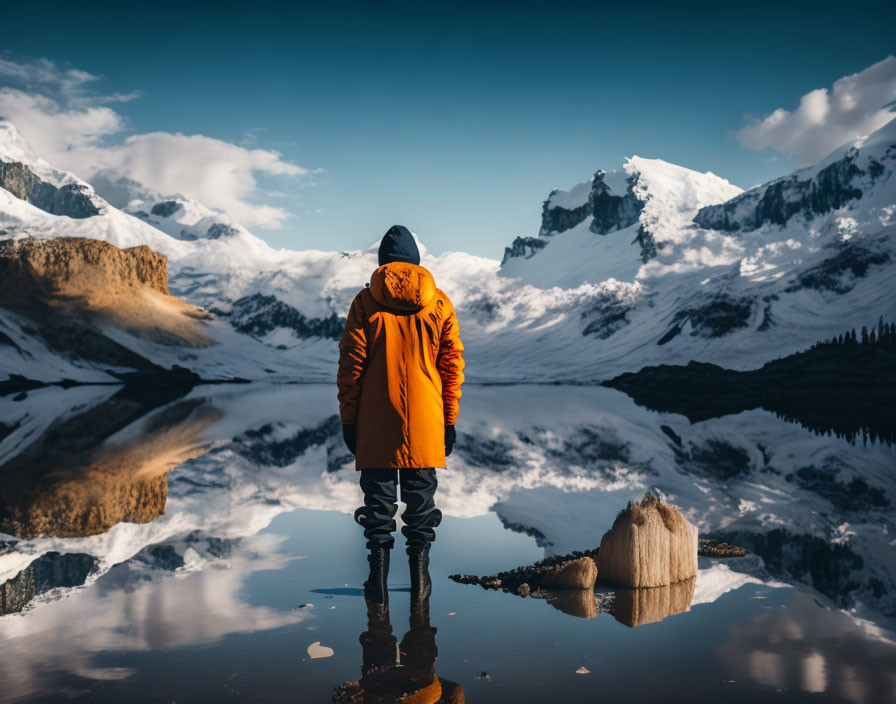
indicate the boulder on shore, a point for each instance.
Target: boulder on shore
{"x":577,"y":574}
{"x":574,"y":571}
{"x":651,"y":544}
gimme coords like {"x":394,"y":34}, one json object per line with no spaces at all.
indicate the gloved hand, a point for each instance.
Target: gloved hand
{"x":348,"y":435}
{"x":450,"y":437}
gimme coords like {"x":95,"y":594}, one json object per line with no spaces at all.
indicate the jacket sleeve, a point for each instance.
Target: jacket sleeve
{"x":352,"y":359}
{"x":450,"y":364}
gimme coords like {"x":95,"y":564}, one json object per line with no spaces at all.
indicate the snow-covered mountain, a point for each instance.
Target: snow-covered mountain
{"x":713,"y":274}
{"x":649,"y":263}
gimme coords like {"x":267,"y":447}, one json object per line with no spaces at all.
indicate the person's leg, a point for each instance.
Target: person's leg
{"x":377,"y":516}
{"x":421,"y":517}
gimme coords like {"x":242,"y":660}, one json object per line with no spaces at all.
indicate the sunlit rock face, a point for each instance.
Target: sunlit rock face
{"x":650,"y":545}
{"x":72,"y":200}
{"x":71,"y":482}
{"x":99,"y":282}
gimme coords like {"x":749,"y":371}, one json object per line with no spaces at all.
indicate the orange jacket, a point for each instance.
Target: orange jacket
{"x":400,"y":369}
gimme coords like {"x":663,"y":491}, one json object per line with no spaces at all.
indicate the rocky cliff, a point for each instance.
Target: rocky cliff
{"x":808,"y":192}
{"x":72,"y":200}
{"x":72,"y":289}
{"x":73,"y":266}
{"x":614,"y":206}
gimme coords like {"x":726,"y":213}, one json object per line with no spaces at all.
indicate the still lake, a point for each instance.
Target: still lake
{"x":201,"y":547}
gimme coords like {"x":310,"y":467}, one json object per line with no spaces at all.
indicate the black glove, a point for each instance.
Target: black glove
{"x":450,"y":437}
{"x":348,"y":435}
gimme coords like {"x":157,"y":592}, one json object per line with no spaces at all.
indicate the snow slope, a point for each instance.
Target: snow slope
{"x":647,"y":264}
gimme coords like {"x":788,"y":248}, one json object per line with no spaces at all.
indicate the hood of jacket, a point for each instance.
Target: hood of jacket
{"x":398,"y":245}
{"x":402,"y":286}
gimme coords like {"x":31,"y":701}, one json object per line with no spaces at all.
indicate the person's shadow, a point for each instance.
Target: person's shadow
{"x":398,"y":672}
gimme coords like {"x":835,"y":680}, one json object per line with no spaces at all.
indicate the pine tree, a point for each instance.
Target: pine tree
{"x":864,"y":335}
{"x":852,"y":337}
{"x":839,"y":340}
{"x":872,"y":338}
{"x":880,"y":327}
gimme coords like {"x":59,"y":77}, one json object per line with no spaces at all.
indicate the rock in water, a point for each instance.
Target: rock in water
{"x":574,"y":571}
{"x":577,"y":574}
{"x":650,"y":545}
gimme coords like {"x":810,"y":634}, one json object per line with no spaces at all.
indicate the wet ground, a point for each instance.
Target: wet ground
{"x":203,"y":549}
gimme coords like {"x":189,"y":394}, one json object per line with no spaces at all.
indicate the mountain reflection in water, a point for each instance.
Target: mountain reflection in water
{"x":81,"y":477}
{"x":137,"y":525}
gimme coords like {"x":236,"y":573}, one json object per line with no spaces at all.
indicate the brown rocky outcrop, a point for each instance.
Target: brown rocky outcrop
{"x":96,"y":282}
{"x":68,"y":266}
{"x":574,"y":571}
{"x":651,"y":544}
{"x":576,"y":574}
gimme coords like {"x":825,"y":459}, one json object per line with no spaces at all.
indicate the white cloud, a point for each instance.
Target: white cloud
{"x":827,"y":119}
{"x":214,"y":172}
{"x":73,"y":128}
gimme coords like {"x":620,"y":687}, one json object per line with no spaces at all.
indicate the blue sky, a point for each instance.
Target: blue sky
{"x":453,"y":119}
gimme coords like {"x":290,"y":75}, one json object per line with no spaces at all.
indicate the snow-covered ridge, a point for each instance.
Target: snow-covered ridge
{"x":636,"y":281}
{"x":616,"y":199}
{"x":846,"y":175}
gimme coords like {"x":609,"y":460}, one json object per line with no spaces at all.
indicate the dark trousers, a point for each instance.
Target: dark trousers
{"x":377,"y":515}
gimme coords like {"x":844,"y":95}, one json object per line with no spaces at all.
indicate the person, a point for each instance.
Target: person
{"x":399,"y":386}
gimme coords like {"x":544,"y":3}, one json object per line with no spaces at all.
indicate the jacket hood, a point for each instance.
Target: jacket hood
{"x":398,"y":245}
{"x":402,"y":286}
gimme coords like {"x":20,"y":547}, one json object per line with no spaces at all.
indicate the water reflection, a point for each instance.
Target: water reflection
{"x":632,"y":607}
{"x":101,"y":467}
{"x":398,"y":672}
{"x":140,"y":605}
{"x":47,"y":572}
{"x":575,"y":602}
{"x":636,"y":607}
{"x":175,"y":560}
{"x":804,"y":647}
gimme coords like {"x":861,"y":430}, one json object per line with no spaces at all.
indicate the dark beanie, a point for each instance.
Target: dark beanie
{"x":398,"y":245}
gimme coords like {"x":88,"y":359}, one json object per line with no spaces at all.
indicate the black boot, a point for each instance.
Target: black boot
{"x":421,"y":584}
{"x":375,"y":589}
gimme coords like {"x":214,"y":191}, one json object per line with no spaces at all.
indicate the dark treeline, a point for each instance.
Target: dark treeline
{"x":881,"y":334}
{"x":843,"y":387}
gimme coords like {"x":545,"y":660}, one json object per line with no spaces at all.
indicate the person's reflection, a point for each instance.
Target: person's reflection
{"x":399,"y":672}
